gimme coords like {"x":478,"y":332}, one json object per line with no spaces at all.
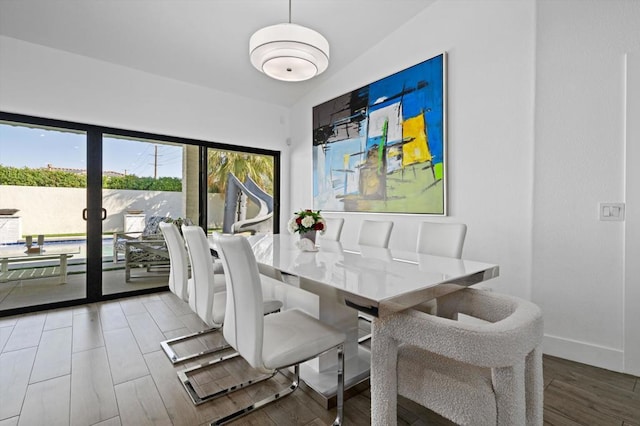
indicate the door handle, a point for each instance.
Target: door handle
{"x":104,"y":214}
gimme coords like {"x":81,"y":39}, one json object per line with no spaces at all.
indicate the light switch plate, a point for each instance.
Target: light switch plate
{"x":611,"y":211}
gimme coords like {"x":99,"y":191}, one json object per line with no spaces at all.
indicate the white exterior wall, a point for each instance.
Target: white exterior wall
{"x":45,"y":210}
{"x":59,"y":210}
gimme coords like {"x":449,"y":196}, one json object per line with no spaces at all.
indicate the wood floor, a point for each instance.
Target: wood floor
{"x":101,"y":364}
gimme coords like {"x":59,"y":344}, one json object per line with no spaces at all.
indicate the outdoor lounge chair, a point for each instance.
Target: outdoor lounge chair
{"x":150,"y":232}
{"x":147,"y":250}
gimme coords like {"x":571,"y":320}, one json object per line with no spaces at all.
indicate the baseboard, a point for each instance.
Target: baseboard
{"x":585,"y":353}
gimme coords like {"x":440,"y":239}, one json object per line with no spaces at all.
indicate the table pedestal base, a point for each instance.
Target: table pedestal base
{"x":324,"y":384}
{"x":320,"y":375}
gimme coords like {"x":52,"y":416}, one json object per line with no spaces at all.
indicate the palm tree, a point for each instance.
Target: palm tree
{"x":242,"y":165}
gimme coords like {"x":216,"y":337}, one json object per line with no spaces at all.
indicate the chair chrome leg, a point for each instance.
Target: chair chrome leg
{"x":288,"y":390}
{"x":340,"y":390}
{"x":173,"y":356}
{"x":201,"y":399}
{"x":246,"y":410}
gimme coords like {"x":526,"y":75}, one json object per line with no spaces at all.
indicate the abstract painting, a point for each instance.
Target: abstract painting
{"x":381,"y":148}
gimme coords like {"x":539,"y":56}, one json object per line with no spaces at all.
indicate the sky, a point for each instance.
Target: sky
{"x":36,"y":147}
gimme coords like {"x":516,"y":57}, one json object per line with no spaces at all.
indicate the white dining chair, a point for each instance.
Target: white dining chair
{"x":273,"y":342}
{"x":333,"y":229}
{"x":475,"y":372}
{"x":198,"y":294}
{"x":179,"y":267}
{"x":181,"y":286}
{"x":441,"y":239}
{"x":375,"y":233}
{"x":210,"y":305}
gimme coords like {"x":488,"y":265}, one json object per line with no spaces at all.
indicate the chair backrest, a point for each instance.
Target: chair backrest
{"x":179,"y":271}
{"x":243,"y":321}
{"x":375,"y":233}
{"x":511,"y":327}
{"x":151,"y":227}
{"x":202,"y":274}
{"x":333,"y":229}
{"x":441,"y":239}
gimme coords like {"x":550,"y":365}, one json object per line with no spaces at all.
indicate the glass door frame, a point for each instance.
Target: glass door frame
{"x":94,"y":209}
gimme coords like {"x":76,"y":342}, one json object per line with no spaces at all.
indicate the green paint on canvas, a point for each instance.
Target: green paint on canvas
{"x":439,"y":170}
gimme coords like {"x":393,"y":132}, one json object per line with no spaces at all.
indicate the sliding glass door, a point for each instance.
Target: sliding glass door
{"x":80,"y":206}
{"x":143,"y":183}
{"x":43,"y":197}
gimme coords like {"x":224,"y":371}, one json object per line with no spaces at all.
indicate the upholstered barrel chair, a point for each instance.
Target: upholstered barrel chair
{"x":480,"y":368}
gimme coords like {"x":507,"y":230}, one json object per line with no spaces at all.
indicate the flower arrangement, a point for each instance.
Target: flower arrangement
{"x":306,"y":221}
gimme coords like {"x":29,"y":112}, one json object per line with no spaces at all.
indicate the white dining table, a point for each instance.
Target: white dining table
{"x":335,"y":282}
{"x":374,"y":280}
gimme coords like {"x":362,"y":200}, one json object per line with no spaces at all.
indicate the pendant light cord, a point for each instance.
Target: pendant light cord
{"x":289,"y":11}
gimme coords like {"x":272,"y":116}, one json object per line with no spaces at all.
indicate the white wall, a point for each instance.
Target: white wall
{"x":571,"y":147}
{"x":44,"y":82}
{"x":490,"y":48}
{"x":632,"y":225}
{"x":581,"y":101}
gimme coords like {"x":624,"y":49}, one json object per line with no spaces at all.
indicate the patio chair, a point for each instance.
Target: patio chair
{"x":151,"y":231}
{"x":145,"y":254}
{"x":147,"y":250}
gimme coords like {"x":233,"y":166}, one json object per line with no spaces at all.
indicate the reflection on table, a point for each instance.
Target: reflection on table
{"x":374,"y":280}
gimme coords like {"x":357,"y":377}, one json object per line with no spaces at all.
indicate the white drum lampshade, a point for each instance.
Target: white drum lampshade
{"x":289,"y":52}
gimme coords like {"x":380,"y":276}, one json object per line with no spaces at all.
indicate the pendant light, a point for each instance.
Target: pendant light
{"x":289,"y":52}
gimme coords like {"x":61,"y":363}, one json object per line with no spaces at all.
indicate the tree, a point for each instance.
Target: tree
{"x":242,"y":165}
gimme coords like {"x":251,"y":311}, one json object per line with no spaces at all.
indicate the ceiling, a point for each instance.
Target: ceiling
{"x":203,"y":42}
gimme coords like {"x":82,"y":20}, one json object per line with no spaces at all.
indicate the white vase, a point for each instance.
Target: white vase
{"x":310,"y":235}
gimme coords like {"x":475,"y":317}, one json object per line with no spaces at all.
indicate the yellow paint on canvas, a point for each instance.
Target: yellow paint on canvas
{"x":415,"y":151}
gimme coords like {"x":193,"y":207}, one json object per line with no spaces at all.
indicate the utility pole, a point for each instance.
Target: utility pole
{"x":155,"y":162}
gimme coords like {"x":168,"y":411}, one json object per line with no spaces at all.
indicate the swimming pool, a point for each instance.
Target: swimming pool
{"x":107,"y":247}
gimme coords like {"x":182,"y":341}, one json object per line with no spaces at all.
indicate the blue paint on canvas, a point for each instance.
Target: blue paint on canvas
{"x":419,"y":89}
{"x":351,"y":170}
